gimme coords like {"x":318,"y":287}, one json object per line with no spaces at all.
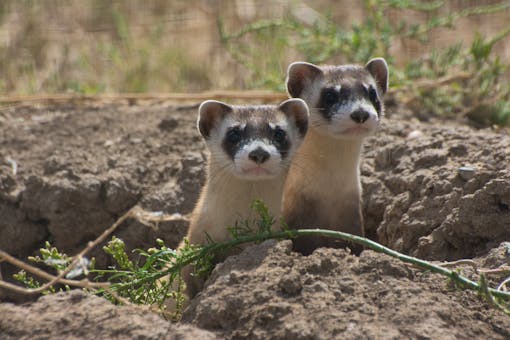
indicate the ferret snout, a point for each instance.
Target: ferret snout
{"x":259,"y":155}
{"x":360,"y":116}
{"x":258,"y":160}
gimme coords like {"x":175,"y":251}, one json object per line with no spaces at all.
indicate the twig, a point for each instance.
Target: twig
{"x":431,"y":83}
{"x":502,"y":285}
{"x":153,"y":218}
{"x":500,"y":270}
{"x":425,"y":84}
{"x":137,"y":213}
{"x":41,"y":273}
{"x":458,"y":263}
{"x":76,"y":259}
{"x":241,"y":95}
{"x":14,"y":288}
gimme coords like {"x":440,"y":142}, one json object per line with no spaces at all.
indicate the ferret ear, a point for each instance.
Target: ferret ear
{"x":299,"y":76}
{"x":210,"y":113}
{"x":297,"y":111}
{"x":379,"y":70}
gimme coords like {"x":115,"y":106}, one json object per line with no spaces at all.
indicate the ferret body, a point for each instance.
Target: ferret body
{"x":250,"y":151}
{"x":323,"y":188}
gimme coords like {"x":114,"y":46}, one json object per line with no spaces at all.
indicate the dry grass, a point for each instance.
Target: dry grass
{"x":98,"y":46}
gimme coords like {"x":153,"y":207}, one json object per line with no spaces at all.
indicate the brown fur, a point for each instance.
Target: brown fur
{"x":323,"y":187}
{"x":225,"y":198}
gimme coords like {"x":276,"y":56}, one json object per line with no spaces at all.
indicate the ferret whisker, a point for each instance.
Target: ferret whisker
{"x":221,"y":173}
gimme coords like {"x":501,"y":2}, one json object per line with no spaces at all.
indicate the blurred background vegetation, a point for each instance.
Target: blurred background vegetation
{"x":446,"y":57}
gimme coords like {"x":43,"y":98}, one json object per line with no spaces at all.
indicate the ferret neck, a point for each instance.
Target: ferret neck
{"x":228,"y":189}
{"x":338,"y":153}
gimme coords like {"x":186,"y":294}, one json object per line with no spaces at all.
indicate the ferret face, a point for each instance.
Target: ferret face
{"x":345,"y":101}
{"x":253,"y":142}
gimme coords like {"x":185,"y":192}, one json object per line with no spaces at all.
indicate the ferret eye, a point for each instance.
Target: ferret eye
{"x":329,"y":97}
{"x":279,"y":135}
{"x":372,"y":95}
{"x":234,"y":136}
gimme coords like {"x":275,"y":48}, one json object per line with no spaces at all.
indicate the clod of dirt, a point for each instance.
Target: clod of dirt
{"x":269,"y":292}
{"x":78,"y":315}
{"x":168,"y":124}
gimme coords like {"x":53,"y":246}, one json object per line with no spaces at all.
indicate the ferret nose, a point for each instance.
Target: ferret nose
{"x":360,"y":116}
{"x":259,"y":155}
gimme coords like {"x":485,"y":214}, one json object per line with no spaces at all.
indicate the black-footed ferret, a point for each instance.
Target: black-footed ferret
{"x":323,"y":187}
{"x":250,"y":152}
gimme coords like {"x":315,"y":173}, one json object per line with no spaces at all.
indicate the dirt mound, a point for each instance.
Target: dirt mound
{"x":432,"y":189}
{"x":78,"y":315}
{"x":269,"y":292}
{"x":437,"y":191}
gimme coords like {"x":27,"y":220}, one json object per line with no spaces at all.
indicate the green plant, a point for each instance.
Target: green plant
{"x":157,"y":276}
{"x":57,"y":261}
{"x":138,"y":281}
{"x":464,"y":82}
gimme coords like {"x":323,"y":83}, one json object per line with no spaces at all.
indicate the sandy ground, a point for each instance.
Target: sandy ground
{"x":68,"y":171}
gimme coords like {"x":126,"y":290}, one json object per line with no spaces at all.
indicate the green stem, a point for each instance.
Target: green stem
{"x":288,"y":234}
{"x":499,"y":36}
{"x":404,"y":258}
{"x":426,"y":6}
{"x":358,"y":240}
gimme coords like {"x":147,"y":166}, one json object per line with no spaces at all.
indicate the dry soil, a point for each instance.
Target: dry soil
{"x":437,"y":190}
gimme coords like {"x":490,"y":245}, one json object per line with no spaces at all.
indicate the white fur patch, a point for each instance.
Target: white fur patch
{"x":343,"y":126}
{"x":248,"y":169}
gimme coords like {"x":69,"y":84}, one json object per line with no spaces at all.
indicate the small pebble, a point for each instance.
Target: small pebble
{"x":414,"y":134}
{"x":112,"y":162}
{"x":466,"y":172}
{"x":291,"y":283}
{"x":507,"y":248}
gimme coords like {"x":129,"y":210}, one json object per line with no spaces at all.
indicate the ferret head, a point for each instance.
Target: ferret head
{"x":253,"y":142}
{"x":345,"y":101}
